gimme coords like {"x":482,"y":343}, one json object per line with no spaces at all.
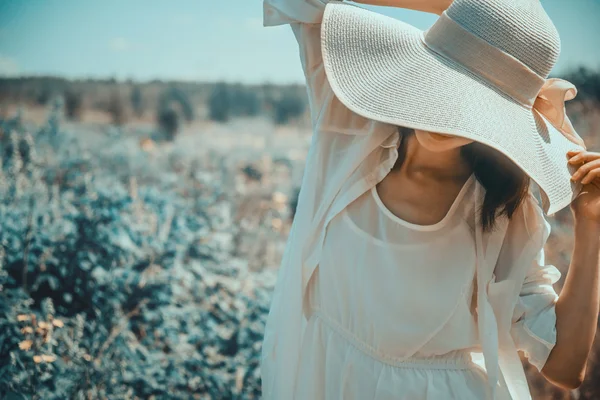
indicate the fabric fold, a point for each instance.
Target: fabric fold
{"x":534,"y":315}
{"x":493,"y":309}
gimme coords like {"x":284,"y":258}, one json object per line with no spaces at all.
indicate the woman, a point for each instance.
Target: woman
{"x":415,"y":265}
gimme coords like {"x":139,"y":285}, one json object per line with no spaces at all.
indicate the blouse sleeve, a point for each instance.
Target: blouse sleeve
{"x":304,"y":18}
{"x":534,"y":318}
{"x":328,"y":114}
{"x":279,"y":12}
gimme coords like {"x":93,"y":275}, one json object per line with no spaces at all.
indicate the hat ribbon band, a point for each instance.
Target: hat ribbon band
{"x":550,"y":102}
{"x":505,"y":72}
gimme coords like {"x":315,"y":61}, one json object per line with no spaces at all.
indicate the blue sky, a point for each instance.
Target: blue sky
{"x":201,"y":39}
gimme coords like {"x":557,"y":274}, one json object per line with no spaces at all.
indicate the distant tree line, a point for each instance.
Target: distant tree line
{"x":174,"y":103}
{"x":587,"y":82}
{"x":128,"y":99}
{"x":227,"y":101}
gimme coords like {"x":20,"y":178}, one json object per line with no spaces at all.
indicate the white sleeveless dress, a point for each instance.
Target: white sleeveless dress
{"x":390,"y":308}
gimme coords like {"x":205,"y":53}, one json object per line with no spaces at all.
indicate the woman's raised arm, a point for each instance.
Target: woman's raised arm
{"x":430,"y":6}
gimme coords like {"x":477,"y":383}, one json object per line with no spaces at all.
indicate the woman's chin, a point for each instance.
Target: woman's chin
{"x":434,"y":149}
{"x":438,"y":142}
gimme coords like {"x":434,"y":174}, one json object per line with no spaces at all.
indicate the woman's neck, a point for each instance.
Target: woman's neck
{"x":423,"y":163}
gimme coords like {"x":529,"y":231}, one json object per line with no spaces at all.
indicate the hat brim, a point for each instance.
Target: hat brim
{"x":380,"y":68}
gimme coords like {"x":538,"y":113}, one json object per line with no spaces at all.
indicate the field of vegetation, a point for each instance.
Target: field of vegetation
{"x":139,"y":247}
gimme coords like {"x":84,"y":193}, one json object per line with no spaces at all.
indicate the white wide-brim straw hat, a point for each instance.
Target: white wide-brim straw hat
{"x":479,"y":72}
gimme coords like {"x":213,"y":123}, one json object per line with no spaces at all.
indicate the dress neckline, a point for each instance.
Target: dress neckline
{"x":418,"y":227}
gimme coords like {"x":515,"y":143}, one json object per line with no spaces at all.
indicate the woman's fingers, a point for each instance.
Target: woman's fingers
{"x":578,"y":157}
{"x":585,"y":170}
{"x":591,"y":176}
{"x":589,"y":165}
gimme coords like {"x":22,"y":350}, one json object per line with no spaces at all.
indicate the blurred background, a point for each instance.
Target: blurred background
{"x":151,"y":154}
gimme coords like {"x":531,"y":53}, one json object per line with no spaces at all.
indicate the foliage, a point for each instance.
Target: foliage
{"x":227,"y":101}
{"x":173,"y":107}
{"x":115,"y":281}
{"x":137,"y":101}
{"x":221,"y":100}
{"x":168,"y":121}
{"x":124,"y":273}
{"x":175,"y":97}
{"x":244,"y":101}
{"x":43,"y":95}
{"x":116,"y":108}
{"x":287,"y":106}
{"x":587,"y":82}
{"x":73,"y":104}
{"x":219,"y":103}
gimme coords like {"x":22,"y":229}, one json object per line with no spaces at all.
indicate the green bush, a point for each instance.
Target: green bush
{"x":111,"y":283}
{"x":219,"y":103}
{"x":288,"y":106}
{"x":73,"y":104}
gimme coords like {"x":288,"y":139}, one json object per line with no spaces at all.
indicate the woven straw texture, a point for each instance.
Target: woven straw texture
{"x":380,"y":68}
{"x":519,"y":27}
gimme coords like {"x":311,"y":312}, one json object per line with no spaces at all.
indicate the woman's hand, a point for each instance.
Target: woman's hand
{"x":586,"y":206}
{"x":430,"y":6}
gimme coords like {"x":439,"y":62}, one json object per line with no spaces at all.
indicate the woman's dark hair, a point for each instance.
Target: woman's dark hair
{"x":506,"y":185}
